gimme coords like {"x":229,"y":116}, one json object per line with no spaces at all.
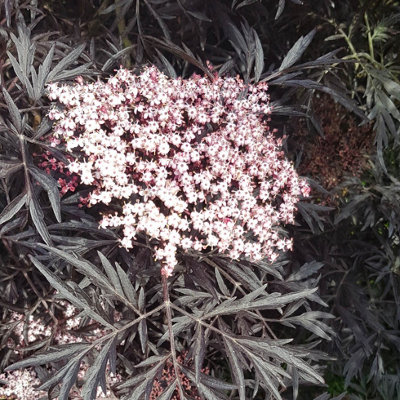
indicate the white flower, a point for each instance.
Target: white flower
{"x":194,"y":185}
{"x":163,"y":148}
{"x":92,"y":125}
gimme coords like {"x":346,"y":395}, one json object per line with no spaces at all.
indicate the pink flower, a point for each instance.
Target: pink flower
{"x":196,"y":158}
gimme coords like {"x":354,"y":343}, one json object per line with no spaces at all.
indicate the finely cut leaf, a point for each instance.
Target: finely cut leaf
{"x":12,"y":208}
{"x":140,"y":381}
{"x":8,"y":167}
{"x":236,"y":38}
{"x":119,"y":55}
{"x":21,"y":75}
{"x":170,"y":69}
{"x":152,"y":360}
{"x":272,"y":300}
{"x":68,"y":294}
{"x":306,"y":270}
{"x":38,"y":219}
{"x":14,"y":112}
{"x":60,"y":68}
{"x":266,"y":380}
{"x":44,"y":70}
{"x":236,"y":368}
{"x":273,"y":349}
{"x":295,"y":383}
{"x":61,"y":373}
{"x":199,"y":351}
{"x":259,"y":63}
{"x":69,"y":380}
{"x":96,"y":373}
{"x":92,"y":272}
{"x":208,"y":380}
{"x":297,"y":50}
{"x":281,"y":6}
{"x":126,"y":285}
{"x":50,"y":185}
{"x":54,"y":354}
{"x":221,"y":283}
{"x":168,"y":392}
{"x":142,"y":328}
{"x":180,"y":324}
{"x":111,"y":273}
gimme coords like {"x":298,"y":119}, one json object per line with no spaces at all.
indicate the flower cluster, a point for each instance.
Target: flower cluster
{"x":20,"y":385}
{"x":192,"y":161}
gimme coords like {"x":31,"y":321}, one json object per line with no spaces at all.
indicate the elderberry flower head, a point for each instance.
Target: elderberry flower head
{"x":192,"y":161}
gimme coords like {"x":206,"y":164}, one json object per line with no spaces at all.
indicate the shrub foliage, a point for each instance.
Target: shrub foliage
{"x":88,"y":318}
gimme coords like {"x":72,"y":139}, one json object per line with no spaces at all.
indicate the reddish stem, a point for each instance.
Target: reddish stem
{"x":167,"y":303}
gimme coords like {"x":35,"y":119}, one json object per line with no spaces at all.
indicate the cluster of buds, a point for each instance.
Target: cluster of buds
{"x":67,"y":181}
{"x":191,"y":161}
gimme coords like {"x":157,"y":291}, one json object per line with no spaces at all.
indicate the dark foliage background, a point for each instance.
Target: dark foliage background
{"x":330,"y":308}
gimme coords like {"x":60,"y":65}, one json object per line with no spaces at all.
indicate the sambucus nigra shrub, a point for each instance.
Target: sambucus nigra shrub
{"x":231,"y":328}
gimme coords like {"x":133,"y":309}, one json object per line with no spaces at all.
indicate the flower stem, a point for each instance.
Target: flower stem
{"x":168,"y":313}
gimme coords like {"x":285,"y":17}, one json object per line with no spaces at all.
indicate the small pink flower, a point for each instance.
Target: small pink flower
{"x":197,"y":155}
